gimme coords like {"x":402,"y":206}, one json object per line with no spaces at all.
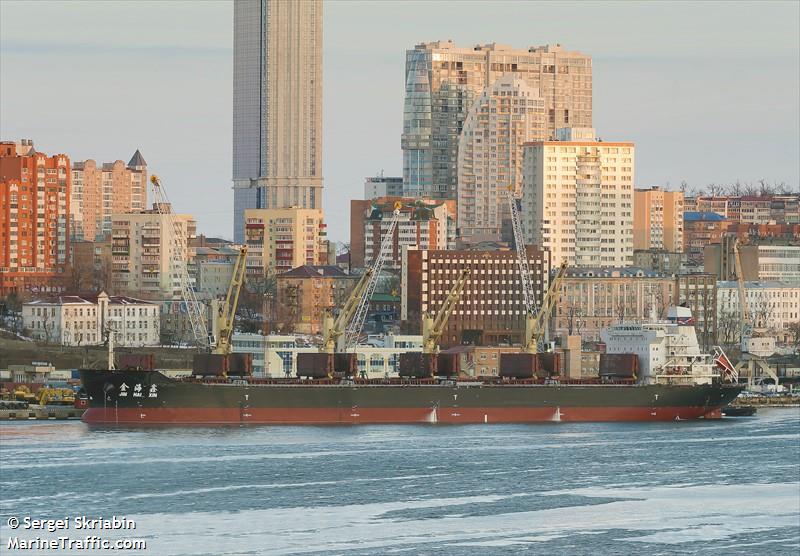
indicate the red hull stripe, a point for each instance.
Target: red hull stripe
{"x":327,"y":416}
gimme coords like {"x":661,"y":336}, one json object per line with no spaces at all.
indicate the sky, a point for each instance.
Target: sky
{"x":709,"y":92}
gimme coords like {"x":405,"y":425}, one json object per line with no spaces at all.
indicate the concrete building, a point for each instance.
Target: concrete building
{"x":593,"y":299}
{"x":658,"y":260}
{"x":214,"y":270}
{"x":719,"y":259}
{"x":751,"y":209}
{"x":143,"y":251}
{"x":72,"y":320}
{"x":34,"y":219}
{"x":773,"y":306}
{"x":306,"y":293}
{"x":382,"y":186}
{"x":779,"y":261}
{"x":578,"y":199}
{"x":90,"y":266}
{"x":490,"y":310}
{"x":425,"y":223}
{"x":277,"y":106}
{"x":279,"y":240}
{"x":100,"y":191}
{"x":507,"y":114}
{"x":701,"y":229}
{"x":657,"y":219}
{"x":443,"y":80}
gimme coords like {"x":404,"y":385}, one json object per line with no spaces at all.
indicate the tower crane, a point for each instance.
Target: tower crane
{"x":535,"y":325}
{"x":194,"y":309}
{"x":433,"y":325}
{"x":528,"y":296}
{"x":342,"y":333}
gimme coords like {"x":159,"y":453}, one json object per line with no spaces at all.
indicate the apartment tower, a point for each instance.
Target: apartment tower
{"x":658,"y":219}
{"x":578,"y":199}
{"x":443,"y":81}
{"x":277,"y":106}
{"x":34,"y":218}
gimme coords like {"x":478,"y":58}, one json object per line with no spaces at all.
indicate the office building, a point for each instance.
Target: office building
{"x":277,"y":106}
{"x":98,"y":191}
{"x":382,"y":186}
{"x":34,"y":219}
{"x":442,"y":81}
{"x":507,"y":114}
{"x":578,"y":199}
{"x":491,"y":308}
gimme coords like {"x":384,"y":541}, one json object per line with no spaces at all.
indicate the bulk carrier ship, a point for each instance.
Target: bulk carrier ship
{"x":651,"y":372}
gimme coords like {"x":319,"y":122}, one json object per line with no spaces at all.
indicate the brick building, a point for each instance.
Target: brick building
{"x":701,"y":229}
{"x":34,"y":219}
{"x":306,"y":293}
{"x":490,"y":310}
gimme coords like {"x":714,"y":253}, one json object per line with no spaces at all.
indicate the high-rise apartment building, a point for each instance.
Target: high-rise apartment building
{"x":507,"y":114}
{"x":277,"y":106}
{"x":34,"y":218}
{"x":143,"y":253}
{"x":383,"y":186}
{"x":98,"y":191}
{"x":657,"y":219}
{"x":443,"y":80}
{"x":424,"y":223}
{"x":279,"y":240}
{"x":578,"y":199}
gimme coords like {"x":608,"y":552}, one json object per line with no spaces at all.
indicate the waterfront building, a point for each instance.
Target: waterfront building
{"x":143,"y":253}
{"x":491,"y":307}
{"x":657,"y":219}
{"x":507,"y":114}
{"x":98,"y":191}
{"x":281,"y":239}
{"x":34,"y":219}
{"x":73,"y":320}
{"x":442,"y":81}
{"x":277,"y":106}
{"x":773,"y":306}
{"x":383,"y":186}
{"x":578,"y":199}
{"x":425,"y":223}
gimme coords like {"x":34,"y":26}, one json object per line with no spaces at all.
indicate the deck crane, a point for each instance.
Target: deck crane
{"x":194,"y":309}
{"x":341,"y":334}
{"x":433,"y":325}
{"x":224,"y":316}
{"x":535,"y":317}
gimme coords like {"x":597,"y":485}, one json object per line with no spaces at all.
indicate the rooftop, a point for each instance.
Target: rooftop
{"x":694,"y":216}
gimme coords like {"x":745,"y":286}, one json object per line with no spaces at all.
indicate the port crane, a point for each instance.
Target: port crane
{"x":751,"y":363}
{"x":433,"y":325}
{"x":535,"y":317}
{"x":194,"y":309}
{"x":341,"y":334}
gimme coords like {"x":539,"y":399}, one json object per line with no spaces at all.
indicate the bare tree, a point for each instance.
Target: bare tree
{"x":735,"y":189}
{"x":794,"y":335}
{"x":729,"y":327}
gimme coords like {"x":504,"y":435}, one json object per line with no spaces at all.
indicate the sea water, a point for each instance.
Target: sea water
{"x":705,"y":487}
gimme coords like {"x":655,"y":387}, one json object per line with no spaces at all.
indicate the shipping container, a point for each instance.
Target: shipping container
{"x":240,"y":364}
{"x":619,"y":365}
{"x":417,"y":365}
{"x":136,"y":362}
{"x":518,"y":365}
{"x":315,"y":365}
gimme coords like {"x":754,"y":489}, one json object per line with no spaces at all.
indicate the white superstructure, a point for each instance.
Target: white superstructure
{"x":668,"y":351}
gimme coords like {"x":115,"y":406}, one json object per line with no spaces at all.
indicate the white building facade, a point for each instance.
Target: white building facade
{"x":578,"y":199}
{"x":773,"y":306}
{"x":86,"y":320}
